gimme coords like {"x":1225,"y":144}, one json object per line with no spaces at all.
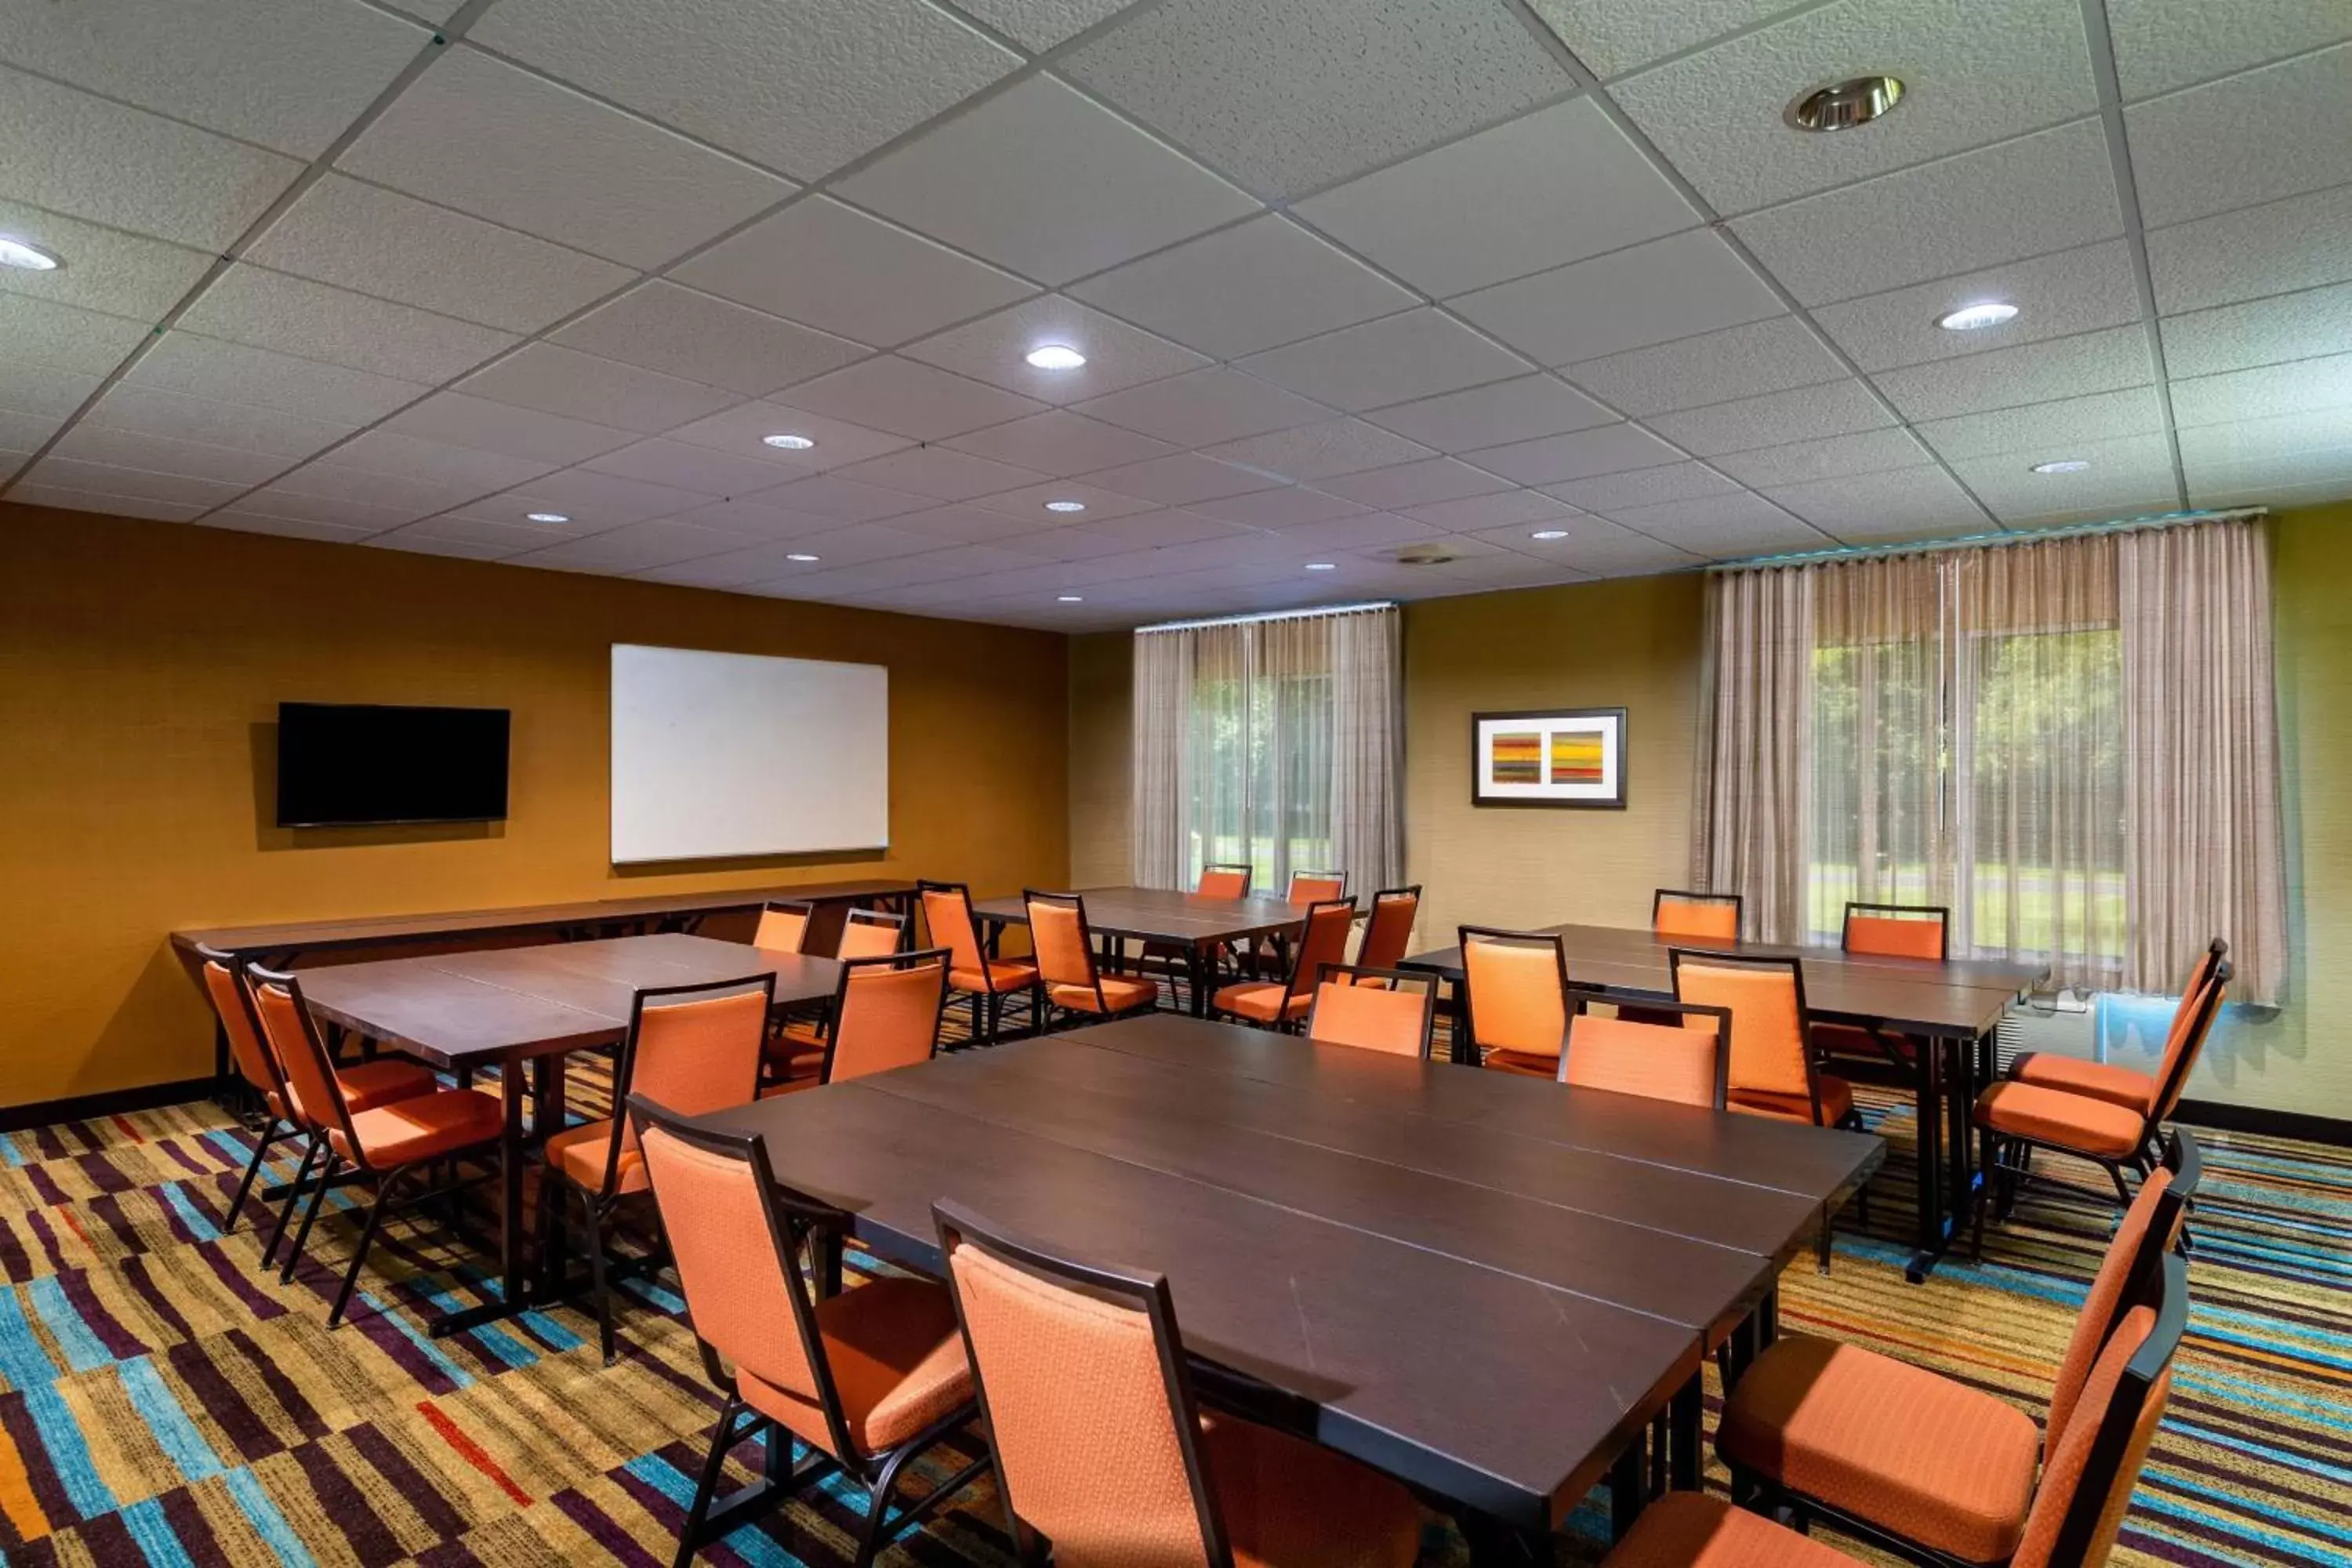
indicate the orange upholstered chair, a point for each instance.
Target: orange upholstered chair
{"x":886,"y":1014}
{"x":1687,"y":1061}
{"x":2104,"y":1080}
{"x":1389,"y":928}
{"x":1100,"y":1445}
{"x":1772,"y":1071}
{"x":1702,"y":917}
{"x":1064,"y":946}
{"x":1886,"y":930}
{"x":795,"y":1053}
{"x":695,"y":1048}
{"x":1938,"y":1467}
{"x":1318,"y":887}
{"x":386,"y":1146}
{"x":1174,"y":960}
{"x":871,"y":934}
{"x":1224,"y":882}
{"x":872,"y":1378}
{"x":783,"y":928}
{"x":1283,"y":1003}
{"x":1515,"y":987}
{"x":365,"y":1085}
{"x":983,"y":981}
{"x":1390,"y":1010}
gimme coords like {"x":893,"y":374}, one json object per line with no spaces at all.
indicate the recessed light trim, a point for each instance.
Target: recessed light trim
{"x":1065,"y":506}
{"x":784,"y":440}
{"x":1069,"y":598}
{"x":1056,"y":356}
{"x":23,"y":253}
{"x":802,"y":556}
{"x":1977,"y":317}
{"x":1322,"y":566}
{"x":1548,"y":533}
{"x":1846,"y":105}
{"x":548,"y":517}
{"x":2063,"y":466}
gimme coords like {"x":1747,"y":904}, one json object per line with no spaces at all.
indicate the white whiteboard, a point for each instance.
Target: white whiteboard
{"x":720,"y":754}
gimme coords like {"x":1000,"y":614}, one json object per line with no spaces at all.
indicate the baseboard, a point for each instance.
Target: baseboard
{"x":113,"y":1102}
{"x":2297,"y":1124}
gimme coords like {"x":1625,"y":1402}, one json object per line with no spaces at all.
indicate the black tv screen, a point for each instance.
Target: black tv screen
{"x":348,"y":765}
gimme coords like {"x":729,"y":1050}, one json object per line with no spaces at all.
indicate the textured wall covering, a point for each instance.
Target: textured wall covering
{"x":1102,"y":717}
{"x":141,"y":667}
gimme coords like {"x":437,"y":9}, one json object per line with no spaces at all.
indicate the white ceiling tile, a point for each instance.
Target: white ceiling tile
{"x":972,"y":525}
{"x":661,"y":326}
{"x":45,"y":389}
{"x":557,"y":379}
{"x":938,"y":473}
{"x":861,"y":542}
{"x":1041,"y":181}
{"x":1672,"y":288}
{"x":235,"y":466}
{"x":1258,"y":284}
{"x":2199,"y":153}
{"x":75,"y":153}
{"x":232,"y":373}
{"x":1162,"y":530}
{"x":1596,"y":545}
{"x":128,"y":405}
{"x":2128,"y":469}
{"x":1181,"y":480}
{"x":2278,"y":497}
{"x":1028,"y":503}
{"x":1417,"y":354}
{"x":2098,"y":417}
{"x":238,"y":519}
{"x":478,"y":422}
{"x":41,"y":332}
{"x":738,"y":568}
{"x":389,"y":493}
{"x":2297,"y":470}
{"x":995,"y":348}
{"x":1578,"y":454}
{"x":1060,"y":442}
{"x":2106,"y":361}
{"x":844,"y":500}
{"x":1318,"y":451}
{"x":2302,"y":387}
{"x":1645,"y":487}
{"x":2239,"y":336}
{"x":850,"y":274}
{"x":2253,"y":440}
{"x":2077,"y":291}
{"x":1292,"y":507}
{"x":2049,"y":190}
{"x":634,"y":548}
{"x":2270,"y":249}
{"x":394,"y":246}
{"x":105,"y":269}
{"x":2164,"y":44}
{"x":1613,"y":37}
{"x":1205,"y":407}
{"x":1294,"y":96}
{"x":266,"y":310}
{"x":1799,"y":461}
{"x":803,"y":89}
{"x":759,"y":518}
{"x":22,"y":434}
{"x":476,"y":134}
{"x":1415,"y":484}
{"x":597,"y":500}
{"x":1369,"y":530}
{"x":742,"y":431}
{"x":1713,"y":367}
{"x":89,"y":500}
{"x":683,"y":466}
{"x":387,"y":452}
{"x":1041,"y":24}
{"x":1547,"y":188}
{"x":413,"y":540}
{"x":1068,"y":545}
{"x":1717,"y":114}
{"x":108,"y":479}
{"x":1494,"y":415}
{"x":1886,"y":504}
{"x":1506,"y":509}
{"x":1723,"y":526}
{"x":905,"y":398}
{"x":1775,"y":419}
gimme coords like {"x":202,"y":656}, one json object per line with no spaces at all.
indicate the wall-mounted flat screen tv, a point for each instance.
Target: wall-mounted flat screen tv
{"x":351,"y":765}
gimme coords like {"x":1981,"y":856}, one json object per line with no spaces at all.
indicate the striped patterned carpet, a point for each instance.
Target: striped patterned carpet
{"x":162,"y":1402}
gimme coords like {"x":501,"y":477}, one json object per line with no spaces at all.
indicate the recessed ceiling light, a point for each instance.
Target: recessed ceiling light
{"x":547,"y":517}
{"x":2063,"y":465}
{"x":1056,"y":356}
{"x":800,"y":556}
{"x":1975,"y":317}
{"x":790,"y":443}
{"x":1322,"y":566}
{"x":31,"y":257}
{"x":1065,"y":506}
{"x":1069,"y":598}
{"x":1548,"y":533}
{"x":1843,"y":105}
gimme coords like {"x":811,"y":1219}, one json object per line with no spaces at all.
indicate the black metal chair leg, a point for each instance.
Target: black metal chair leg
{"x":262,"y":1142}
{"x":714,"y":1465}
{"x":310,"y":1218}
{"x":293,"y":1196}
{"x":367,"y":1239}
{"x":596,"y":1239}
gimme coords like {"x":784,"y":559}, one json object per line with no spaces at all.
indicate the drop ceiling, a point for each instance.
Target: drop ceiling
{"x":1353,"y":278}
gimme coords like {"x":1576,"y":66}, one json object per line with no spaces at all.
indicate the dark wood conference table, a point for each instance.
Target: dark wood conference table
{"x":1187,"y":921}
{"x":1484,"y":1285}
{"x":1955,"y":1004}
{"x":512,"y":1007}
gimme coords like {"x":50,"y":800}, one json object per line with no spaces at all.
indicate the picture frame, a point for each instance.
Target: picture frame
{"x":1557,"y":758}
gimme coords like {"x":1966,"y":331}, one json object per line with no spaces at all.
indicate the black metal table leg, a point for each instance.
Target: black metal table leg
{"x":513,"y":1291}
{"x":1686,"y":1461}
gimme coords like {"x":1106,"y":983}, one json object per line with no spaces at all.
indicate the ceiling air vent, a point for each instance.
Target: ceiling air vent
{"x":1431,"y":554}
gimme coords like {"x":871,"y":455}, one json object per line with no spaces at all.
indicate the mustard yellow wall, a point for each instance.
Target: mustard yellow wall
{"x":1102,"y":723}
{"x":140,"y":663}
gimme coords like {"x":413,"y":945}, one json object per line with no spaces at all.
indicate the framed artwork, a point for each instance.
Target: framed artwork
{"x":1559,"y":757}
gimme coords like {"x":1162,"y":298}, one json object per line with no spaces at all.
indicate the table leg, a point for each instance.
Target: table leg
{"x":547,"y":1092}
{"x":1929,"y":1116}
{"x":1962,"y":1098}
{"x":1493,"y":1544}
{"x":513,"y":1290}
{"x":1465,"y":1049}
{"x":1196,"y":978}
{"x":1626,"y":1493}
{"x":1685,"y":1456}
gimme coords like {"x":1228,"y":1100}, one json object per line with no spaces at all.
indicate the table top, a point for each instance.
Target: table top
{"x":1480,"y":1283}
{"x":1164,"y":914}
{"x":455,"y":1009}
{"x":312,"y":936}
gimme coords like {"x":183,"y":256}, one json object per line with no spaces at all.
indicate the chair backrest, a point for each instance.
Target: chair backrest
{"x":783,"y":928}
{"x":1686,"y":1062}
{"x":693,"y":1048}
{"x":1059,"y":933}
{"x":314,"y":1094}
{"x":1390,"y":1010}
{"x":1898,"y":931}
{"x":871,"y":934}
{"x":1224,"y":882}
{"x":2127,"y":1274}
{"x":1514,"y":985}
{"x":246,"y":1049}
{"x":2089,"y":1471}
{"x":1676,"y":911}
{"x":948,"y":920}
{"x":1322,"y":939}
{"x":735,"y":1240}
{"x":886,"y":1014}
{"x":2192,"y":1020}
{"x":1390,"y":927}
{"x":1766,"y":999}
{"x":1083,"y":1381}
{"x":1318,"y":887}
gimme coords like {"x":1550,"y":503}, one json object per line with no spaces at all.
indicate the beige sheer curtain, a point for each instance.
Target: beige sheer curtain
{"x":1161,"y":828}
{"x":1756,"y":709}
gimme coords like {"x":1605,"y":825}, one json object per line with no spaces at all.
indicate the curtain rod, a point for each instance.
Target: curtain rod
{"x":1269,"y":615}
{"x":1978,"y":541}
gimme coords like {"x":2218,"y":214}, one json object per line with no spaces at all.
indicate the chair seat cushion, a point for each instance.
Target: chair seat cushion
{"x":579,"y":1154}
{"x":2100,"y":1081}
{"x":1118,"y":990}
{"x":1527,"y":1064}
{"x":1261,"y":1000}
{"x":1287,"y":1502}
{"x":447,"y":1121}
{"x":2060,"y":1120}
{"x":1931,"y":1459}
{"x":1837,"y":1103}
{"x":1002,"y":975}
{"x":387,"y":1081}
{"x":898,"y":1361}
{"x":1691,"y":1530}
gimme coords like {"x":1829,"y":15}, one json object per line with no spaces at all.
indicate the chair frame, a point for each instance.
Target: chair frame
{"x":267,"y":1128}
{"x":1248,"y":871}
{"x":1943,"y":913}
{"x":1339,"y":877}
{"x":1795,"y":968}
{"x":1355,"y":973}
{"x":987,"y":1004}
{"x":896,"y":922}
{"x":1047,"y":1006}
{"x":1291,"y":986}
{"x":958,"y":1226}
{"x":806,"y":911}
{"x":1581,"y":1003}
{"x":794,"y":1220}
{"x":1372,"y":910}
{"x":851,"y":967}
{"x":1553,"y":939}
{"x":1737,"y":902}
{"x":2215,"y":952}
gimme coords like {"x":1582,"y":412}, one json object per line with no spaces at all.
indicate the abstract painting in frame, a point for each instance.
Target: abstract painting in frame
{"x":1558,"y":757}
